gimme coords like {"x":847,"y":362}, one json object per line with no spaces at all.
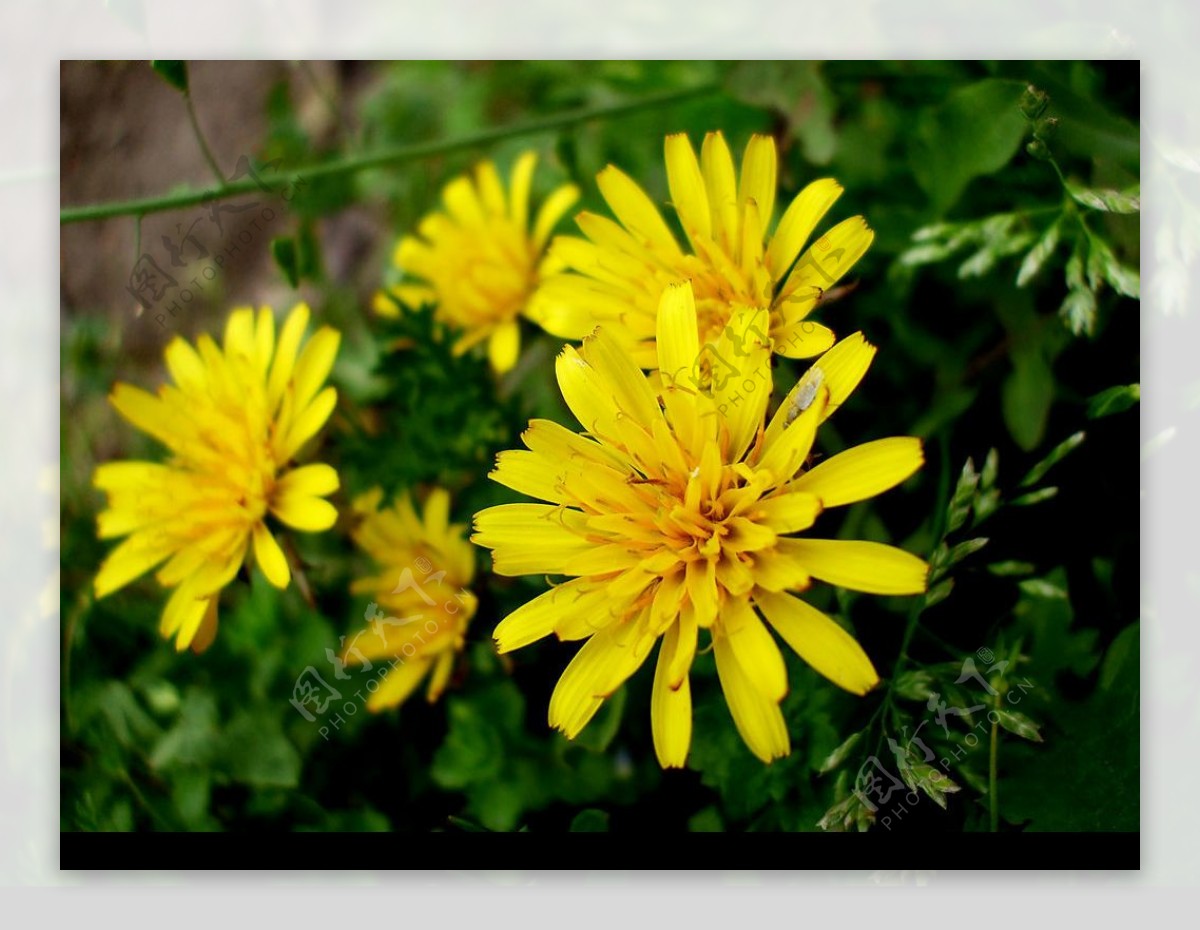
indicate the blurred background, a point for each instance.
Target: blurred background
{"x":1001,"y":289}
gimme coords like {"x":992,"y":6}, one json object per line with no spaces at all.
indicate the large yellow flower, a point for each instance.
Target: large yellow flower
{"x":680,"y":514}
{"x":233,"y":421}
{"x":424,"y":568}
{"x":621,"y":268}
{"x":479,"y":261}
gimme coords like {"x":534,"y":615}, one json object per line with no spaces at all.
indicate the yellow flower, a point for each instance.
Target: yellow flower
{"x":233,"y":421}
{"x":622,"y":267}
{"x":425,"y":566}
{"x":680,"y":514}
{"x":479,"y":260}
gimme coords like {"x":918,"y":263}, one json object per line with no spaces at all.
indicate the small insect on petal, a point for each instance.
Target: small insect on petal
{"x":805,"y":395}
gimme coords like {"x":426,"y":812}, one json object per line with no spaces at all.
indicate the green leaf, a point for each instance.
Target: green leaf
{"x":1040,"y":587}
{"x":1035,"y":497}
{"x":1078,"y":311}
{"x":173,"y":72}
{"x":193,"y":739}
{"x":472,"y":751}
{"x":707,"y":820}
{"x":283,"y":250}
{"x":1102,"y":264}
{"x":1018,"y":723}
{"x":256,"y":752}
{"x":1108,"y":201}
{"x":938,"y":592}
{"x":964,"y":493}
{"x":838,"y":756}
{"x":975,"y":131}
{"x":1056,"y":455}
{"x":1086,"y":778}
{"x":1011,"y":568}
{"x":590,"y":820}
{"x":963,"y":549}
{"x":1026,"y":396}
{"x":933,"y":781}
{"x":1036,"y":257}
{"x":914,"y":685}
{"x":797,"y":90}
{"x":991,"y":469}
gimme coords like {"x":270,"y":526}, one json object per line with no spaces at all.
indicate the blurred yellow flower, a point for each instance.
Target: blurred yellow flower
{"x":425,"y":565}
{"x":618,"y":272}
{"x":233,"y":421}
{"x":679,"y":515}
{"x":478,"y":260}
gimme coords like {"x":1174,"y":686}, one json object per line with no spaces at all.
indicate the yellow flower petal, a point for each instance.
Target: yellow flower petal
{"x":758,"y":718}
{"x":670,"y":708}
{"x":716,"y":164}
{"x":315,"y":480}
{"x":598,"y":669}
{"x":863,"y":471}
{"x":239,"y":334}
{"x":285,"y":353}
{"x":520,"y":183}
{"x":551,"y":212}
{"x":798,"y":222}
{"x":183,"y":608}
{"x":491,"y":191}
{"x":741,"y":397}
{"x":270,"y":557}
{"x":678,"y":339}
{"x":830,"y":257}
{"x":147,"y":412}
{"x":531,"y":474}
{"x":314,"y":364}
{"x":541,"y":616}
{"x":185,"y":366}
{"x":754,"y":649}
{"x":131,"y":559}
{"x":584,"y":393}
{"x":840,"y":370}
{"x":442,"y":667}
{"x":629,"y":386}
{"x":530,"y":538}
{"x":820,"y":642}
{"x":686,"y":184}
{"x":635,"y":210}
{"x":789,"y":513}
{"x":758,"y":177}
{"x":803,"y":339}
{"x":861,"y":566}
{"x":207,"y":631}
{"x":308,"y":423}
{"x":304,"y":512}
{"x":398,"y":683}
{"x":504,"y":346}
{"x":784,"y":452}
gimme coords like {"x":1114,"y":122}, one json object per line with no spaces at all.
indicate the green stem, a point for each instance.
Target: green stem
{"x":918,"y":606}
{"x":208,"y":155}
{"x":993,"y":753}
{"x":385,"y":158}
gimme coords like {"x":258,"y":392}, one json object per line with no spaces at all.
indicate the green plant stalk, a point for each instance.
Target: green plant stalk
{"x":208,"y":155}
{"x":918,"y":607}
{"x":385,"y":158}
{"x":993,"y":754}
